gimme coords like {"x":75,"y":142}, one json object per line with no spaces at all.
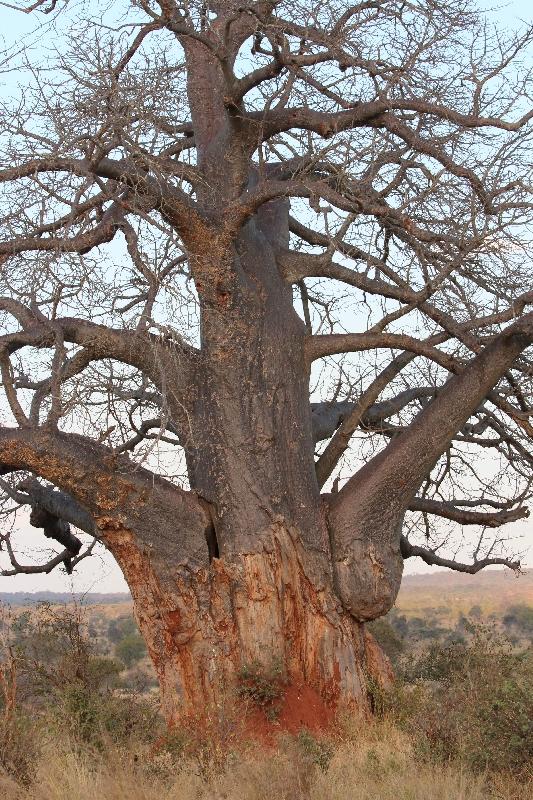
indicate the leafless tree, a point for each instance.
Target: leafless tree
{"x":265,"y":280}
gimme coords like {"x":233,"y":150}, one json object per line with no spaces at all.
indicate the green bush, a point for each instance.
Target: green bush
{"x":505,"y":717}
{"x":121,"y":627}
{"x":69,"y":688}
{"x":130,"y":649}
{"x":469,"y":700}
{"x":263,"y":686}
{"x":98,"y":719}
{"x":388,"y":639}
{"x":318,"y":752}
{"x":520,"y":617}
{"x":18,"y":748}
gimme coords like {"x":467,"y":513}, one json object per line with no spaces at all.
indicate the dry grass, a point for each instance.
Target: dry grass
{"x":365,"y":761}
{"x":465,"y":709}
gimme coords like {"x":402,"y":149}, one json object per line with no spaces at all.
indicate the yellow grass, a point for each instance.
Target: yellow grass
{"x":369,"y":762}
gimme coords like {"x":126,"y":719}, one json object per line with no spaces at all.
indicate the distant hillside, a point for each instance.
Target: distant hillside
{"x":449,"y":593}
{"x":455,"y":593}
{"x":16,"y":599}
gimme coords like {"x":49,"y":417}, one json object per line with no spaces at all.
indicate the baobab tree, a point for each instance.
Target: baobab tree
{"x":265,"y":291}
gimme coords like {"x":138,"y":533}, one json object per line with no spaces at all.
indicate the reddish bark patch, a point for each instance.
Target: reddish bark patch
{"x":301,"y":708}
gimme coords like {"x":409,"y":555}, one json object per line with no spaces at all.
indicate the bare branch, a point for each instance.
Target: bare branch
{"x":89,"y":473}
{"x":433,"y":429}
{"x":364,"y":408}
{"x":331,"y":344}
{"x":429,"y":557}
{"x":146,"y":351}
{"x":64,"y":558}
{"x":448,"y":510}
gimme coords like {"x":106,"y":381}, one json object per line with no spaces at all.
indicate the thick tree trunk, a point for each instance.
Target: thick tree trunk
{"x":251,"y":450}
{"x":239,"y":570}
{"x":264,"y":591}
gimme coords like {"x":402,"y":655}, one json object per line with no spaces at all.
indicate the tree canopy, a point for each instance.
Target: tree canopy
{"x":386,"y":148}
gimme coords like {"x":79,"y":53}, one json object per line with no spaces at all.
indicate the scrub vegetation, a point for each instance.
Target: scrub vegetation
{"x":457,"y":724}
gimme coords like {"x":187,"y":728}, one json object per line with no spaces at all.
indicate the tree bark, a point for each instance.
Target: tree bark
{"x":238,"y":570}
{"x":266,"y":594}
{"x":203,"y":625}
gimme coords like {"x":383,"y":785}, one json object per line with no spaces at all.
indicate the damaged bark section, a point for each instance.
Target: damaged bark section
{"x":202,"y":625}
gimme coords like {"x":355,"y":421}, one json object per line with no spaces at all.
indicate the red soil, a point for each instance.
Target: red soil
{"x":300,"y":708}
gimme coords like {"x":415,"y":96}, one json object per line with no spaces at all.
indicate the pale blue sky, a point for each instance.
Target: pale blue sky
{"x":102,"y":574}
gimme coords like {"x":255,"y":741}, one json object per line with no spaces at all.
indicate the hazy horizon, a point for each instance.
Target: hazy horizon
{"x":101,"y":573}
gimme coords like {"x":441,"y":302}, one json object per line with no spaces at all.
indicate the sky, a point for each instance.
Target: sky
{"x":100,"y":573}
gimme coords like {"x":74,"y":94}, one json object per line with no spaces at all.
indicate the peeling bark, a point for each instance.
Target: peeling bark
{"x":202,"y":626}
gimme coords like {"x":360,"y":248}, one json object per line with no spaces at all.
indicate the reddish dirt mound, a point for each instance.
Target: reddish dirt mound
{"x":296,"y":708}
{"x":300,"y":707}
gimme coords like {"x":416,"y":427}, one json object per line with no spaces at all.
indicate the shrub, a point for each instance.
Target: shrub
{"x":122,"y":626}
{"x":130,"y":649}
{"x":99,"y":720}
{"x":470,"y":700}
{"x":387,"y":638}
{"x":17,"y":744}
{"x":520,"y":617}
{"x":263,"y":686}
{"x":318,"y":752}
{"x":72,"y":688}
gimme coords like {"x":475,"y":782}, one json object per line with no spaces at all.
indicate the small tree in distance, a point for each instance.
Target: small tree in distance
{"x":264,"y":293}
